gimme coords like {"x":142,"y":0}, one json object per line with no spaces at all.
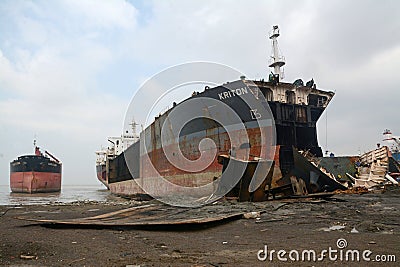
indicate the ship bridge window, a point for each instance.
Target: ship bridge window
{"x":268,"y":94}
{"x":321,"y":101}
{"x":117,"y":142}
{"x":290,"y":97}
{"x":317,"y":100}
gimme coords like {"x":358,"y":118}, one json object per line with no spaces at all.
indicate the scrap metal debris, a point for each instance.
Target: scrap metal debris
{"x":373,"y":168}
{"x":29,"y":257}
{"x":306,"y":178}
{"x":155,"y":215}
{"x":256,"y":171}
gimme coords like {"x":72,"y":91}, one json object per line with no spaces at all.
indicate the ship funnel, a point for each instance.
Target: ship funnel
{"x":277,"y":61}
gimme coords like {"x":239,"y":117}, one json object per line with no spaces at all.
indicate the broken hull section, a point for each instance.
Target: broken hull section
{"x":340,"y":167}
{"x":258,"y":172}
{"x":308,"y":177}
{"x":373,"y":168}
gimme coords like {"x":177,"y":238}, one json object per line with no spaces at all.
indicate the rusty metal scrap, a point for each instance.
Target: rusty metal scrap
{"x":258,"y":170}
{"x":374,"y":165}
{"x":154,"y":215}
{"x":316,"y":179}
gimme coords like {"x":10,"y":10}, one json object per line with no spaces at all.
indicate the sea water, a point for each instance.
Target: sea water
{"x":68,"y":194}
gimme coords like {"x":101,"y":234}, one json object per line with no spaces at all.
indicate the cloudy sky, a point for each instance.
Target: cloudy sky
{"x":68,"y":69}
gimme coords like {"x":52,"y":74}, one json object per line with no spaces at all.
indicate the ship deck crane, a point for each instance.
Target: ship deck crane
{"x":51,"y":156}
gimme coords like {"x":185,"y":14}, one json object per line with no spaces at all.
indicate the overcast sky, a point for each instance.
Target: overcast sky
{"x":68,"y":69}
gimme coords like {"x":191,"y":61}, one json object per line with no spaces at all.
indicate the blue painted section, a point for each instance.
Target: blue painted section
{"x":396,"y":156}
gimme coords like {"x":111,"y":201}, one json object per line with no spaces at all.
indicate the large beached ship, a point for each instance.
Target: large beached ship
{"x":38,"y":173}
{"x":117,"y":146}
{"x":296,"y":108}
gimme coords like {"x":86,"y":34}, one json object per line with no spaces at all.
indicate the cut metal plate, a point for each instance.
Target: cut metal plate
{"x":153,"y":214}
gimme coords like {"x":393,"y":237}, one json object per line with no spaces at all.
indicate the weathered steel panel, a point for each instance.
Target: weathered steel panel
{"x":154,"y":215}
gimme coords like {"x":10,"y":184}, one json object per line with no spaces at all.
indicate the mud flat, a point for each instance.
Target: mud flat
{"x":364,"y":221}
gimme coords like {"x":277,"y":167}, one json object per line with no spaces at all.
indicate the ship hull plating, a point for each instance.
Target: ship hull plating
{"x":35,"y":182}
{"x":294,"y":123}
{"x":152,"y":164}
{"x":102,"y":174}
{"x":35,"y":174}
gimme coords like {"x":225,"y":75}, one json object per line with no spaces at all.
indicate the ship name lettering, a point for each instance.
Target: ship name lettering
{"x":232,"y":92}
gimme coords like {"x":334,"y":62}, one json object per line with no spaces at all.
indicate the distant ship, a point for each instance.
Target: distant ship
{"x":105,"y":156}
{"x":101,"y":161}
{"x":38,"y":173}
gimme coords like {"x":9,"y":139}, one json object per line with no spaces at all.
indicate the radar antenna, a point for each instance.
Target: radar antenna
{"x":277,"y":61}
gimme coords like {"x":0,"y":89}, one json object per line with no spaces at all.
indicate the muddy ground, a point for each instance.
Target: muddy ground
{"x":366,"y":222}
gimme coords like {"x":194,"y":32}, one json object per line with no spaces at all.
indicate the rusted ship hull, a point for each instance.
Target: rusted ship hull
{"x":35,"y":174}
{"x":295,"y":125}
{"x":293,"y":111}
{"x":35,"y":182}
{"x":101,"y":171}
{"x":155,"y":163}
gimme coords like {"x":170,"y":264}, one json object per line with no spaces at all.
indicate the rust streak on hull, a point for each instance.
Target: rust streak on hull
{"x":35,"y":182}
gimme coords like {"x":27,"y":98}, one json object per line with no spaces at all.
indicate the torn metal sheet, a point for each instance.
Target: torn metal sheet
{"x":256,"y":172}
{"x":316,"y":179}
{"x":340,"y":167}
{"x":153,"y":215}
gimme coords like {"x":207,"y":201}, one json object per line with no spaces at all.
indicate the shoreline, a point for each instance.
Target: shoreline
{"x":286,"y":224}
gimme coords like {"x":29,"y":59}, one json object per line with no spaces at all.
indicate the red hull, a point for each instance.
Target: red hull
{"x":35,"y":182}
{"x":101,"y":176}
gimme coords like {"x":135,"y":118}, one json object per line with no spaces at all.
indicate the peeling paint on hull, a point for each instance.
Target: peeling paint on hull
{"x":35,"y":182}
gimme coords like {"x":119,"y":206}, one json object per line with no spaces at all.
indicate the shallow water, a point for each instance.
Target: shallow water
{"x":69,"y":193}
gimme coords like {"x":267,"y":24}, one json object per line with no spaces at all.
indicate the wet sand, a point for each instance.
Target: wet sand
{"x":300,"y":224}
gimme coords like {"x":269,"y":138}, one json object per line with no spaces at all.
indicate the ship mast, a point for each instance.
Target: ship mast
{"x":133,"y":124}
{"x":37,"y":150}
{"x":277,"y":61}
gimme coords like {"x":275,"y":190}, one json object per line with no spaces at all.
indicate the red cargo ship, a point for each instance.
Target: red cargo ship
{"x":36,"y":173}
